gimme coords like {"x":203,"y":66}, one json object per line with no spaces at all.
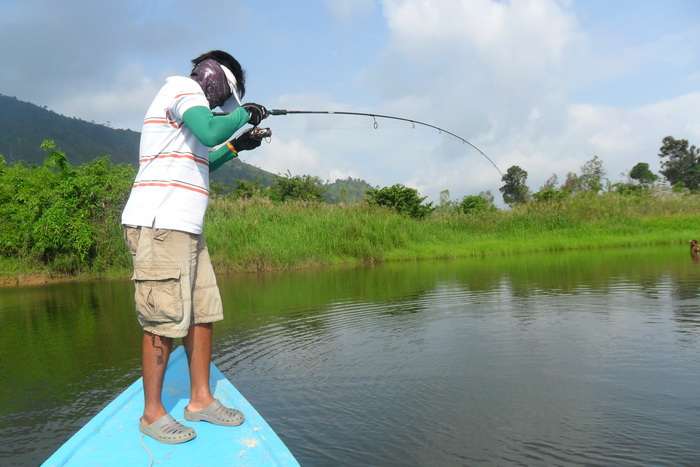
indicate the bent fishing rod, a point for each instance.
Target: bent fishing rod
{"x":376,"y":125}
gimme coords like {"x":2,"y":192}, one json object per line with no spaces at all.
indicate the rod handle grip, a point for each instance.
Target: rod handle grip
{"x":278,"y":112}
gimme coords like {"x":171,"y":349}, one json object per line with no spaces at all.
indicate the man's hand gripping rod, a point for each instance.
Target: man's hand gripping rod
{"x":255,"y":132}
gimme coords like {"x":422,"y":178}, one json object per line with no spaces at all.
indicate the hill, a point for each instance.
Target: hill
{"x":23,"y":126}
{"x":347,"y":191}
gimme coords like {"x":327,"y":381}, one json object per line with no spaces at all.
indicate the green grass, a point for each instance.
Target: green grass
{"x":257,"y":235}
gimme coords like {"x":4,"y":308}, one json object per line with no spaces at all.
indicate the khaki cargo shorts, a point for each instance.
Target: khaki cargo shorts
{"x":174,"y":280}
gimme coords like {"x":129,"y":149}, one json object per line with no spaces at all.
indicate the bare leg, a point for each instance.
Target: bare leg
{"x":198,"y":343}
{"x":155,"y":354}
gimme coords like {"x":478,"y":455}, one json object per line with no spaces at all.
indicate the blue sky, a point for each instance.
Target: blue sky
{"x":542,"y":84}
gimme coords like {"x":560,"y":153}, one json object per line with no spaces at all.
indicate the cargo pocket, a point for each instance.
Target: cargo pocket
{"x":131,"y":238}
{"x":158,"y":294}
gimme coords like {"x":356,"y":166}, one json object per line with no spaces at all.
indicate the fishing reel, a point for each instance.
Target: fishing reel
{"x":260,"y":133}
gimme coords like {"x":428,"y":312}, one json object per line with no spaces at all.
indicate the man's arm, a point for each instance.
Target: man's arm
{"x":220,"y":157}
{"x":212,"y":130}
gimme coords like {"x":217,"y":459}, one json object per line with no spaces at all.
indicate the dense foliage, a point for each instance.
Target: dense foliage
{"x":62,"y":216}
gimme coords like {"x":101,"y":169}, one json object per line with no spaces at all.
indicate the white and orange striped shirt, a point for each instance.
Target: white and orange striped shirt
{"x":171,"y":190}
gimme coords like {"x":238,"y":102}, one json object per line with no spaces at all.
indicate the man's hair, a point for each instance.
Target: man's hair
{"x":229,"y":62}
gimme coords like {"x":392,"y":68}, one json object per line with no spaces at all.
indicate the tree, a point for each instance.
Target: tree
{"x":549,"y":192}
{"x":550,"y":184}
{"x":591,"y":178}
{"x":445,"y":199}
{"x":680,"y":162}
{"x":401,"y":198}
{"x":571,"y":184}
{"x":643,"y":175}
{"x":515,"y":191}
{"x":592,"y":175}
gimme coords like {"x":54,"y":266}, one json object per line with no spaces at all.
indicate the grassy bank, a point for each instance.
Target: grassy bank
{"x":254,"y":235}
{"x":260,"y":235}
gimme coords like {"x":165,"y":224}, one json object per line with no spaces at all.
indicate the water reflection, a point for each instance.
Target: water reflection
{"x":570,"y":358}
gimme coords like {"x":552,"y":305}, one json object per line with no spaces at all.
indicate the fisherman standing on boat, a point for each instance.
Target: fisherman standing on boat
{"x":176,"y":292}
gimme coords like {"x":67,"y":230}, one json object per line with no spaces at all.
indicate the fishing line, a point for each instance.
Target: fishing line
{"x":148,"y":450}
{"x":376,"y":124}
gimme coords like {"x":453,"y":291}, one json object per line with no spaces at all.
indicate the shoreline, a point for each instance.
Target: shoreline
{"x":36,"y":278}
{"x":42,"y":278}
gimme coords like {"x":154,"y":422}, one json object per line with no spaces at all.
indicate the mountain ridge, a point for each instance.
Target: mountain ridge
{"x":24,"y":126}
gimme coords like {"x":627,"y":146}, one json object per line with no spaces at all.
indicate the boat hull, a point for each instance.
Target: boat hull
{"x":112,"y":437}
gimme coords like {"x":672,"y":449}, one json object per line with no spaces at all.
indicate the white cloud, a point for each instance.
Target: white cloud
{"x":491,"y":72}
{"x":281,"y":156}
{"x":121,"y":101}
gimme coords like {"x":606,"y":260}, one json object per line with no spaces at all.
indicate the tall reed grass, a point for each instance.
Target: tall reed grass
{"x":259,"y":235}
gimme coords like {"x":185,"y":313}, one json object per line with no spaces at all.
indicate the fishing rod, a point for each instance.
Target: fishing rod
{"x":376,"y":125}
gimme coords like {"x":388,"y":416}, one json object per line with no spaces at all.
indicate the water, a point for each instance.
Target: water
{"x":575,"y":358}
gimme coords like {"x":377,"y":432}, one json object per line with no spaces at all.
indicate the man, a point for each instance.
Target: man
{"x":176,"y":292}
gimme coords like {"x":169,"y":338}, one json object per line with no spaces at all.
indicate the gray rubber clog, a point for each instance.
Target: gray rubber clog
{"x":217,"y":414}
{"x":168,"y":430}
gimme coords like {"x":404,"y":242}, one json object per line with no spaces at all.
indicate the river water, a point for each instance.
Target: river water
{"x":573,"y":358}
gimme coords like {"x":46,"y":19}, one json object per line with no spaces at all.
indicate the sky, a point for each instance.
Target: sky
{"x":542,"y":84}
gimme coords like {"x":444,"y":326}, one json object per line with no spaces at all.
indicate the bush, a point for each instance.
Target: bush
{"x":60,"y":215}
{"x":551,"y":194}
{"x":402,"y":199}
{"x":247,"y":189}
{"x":477,"y":203}
{"x":298,"y":187}
{"x":627,"y":188}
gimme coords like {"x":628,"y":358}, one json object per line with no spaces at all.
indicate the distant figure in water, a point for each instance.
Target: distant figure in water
{"x":695,"y":250}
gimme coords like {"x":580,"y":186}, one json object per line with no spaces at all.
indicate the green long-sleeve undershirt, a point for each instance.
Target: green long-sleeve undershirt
{"x":212,"y":130}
